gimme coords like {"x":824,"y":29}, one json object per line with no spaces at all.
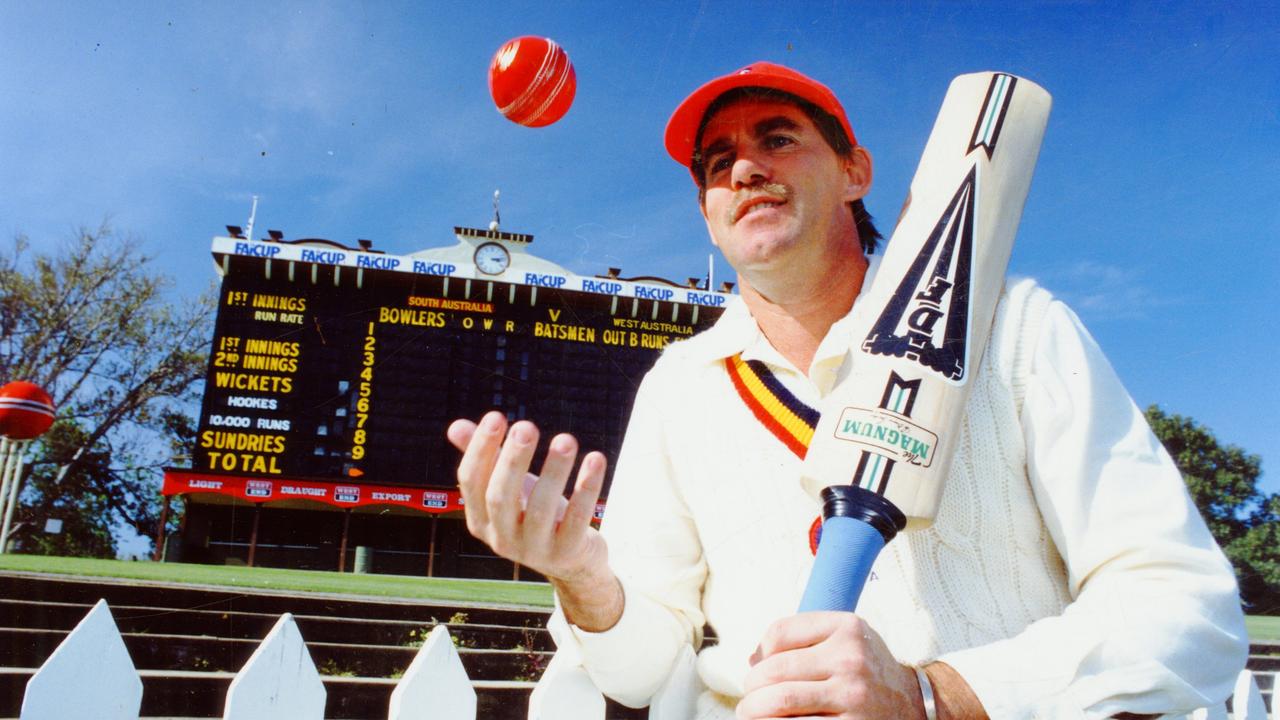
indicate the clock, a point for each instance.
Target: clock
{"x":492,"y":258}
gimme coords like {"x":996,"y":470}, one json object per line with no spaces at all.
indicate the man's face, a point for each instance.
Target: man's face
{"x":776,"y":193}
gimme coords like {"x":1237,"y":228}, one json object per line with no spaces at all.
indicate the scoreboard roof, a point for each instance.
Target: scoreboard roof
{"x":460,"y":261}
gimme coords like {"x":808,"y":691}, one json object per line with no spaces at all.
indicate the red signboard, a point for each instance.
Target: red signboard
{"x":342,"y":495}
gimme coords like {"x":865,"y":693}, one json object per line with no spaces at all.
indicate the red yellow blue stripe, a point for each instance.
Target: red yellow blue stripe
{"x":789,"y":419}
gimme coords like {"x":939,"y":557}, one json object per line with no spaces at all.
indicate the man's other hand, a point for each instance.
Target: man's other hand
{"x":539,"y":532}
{"x":828,"y":664}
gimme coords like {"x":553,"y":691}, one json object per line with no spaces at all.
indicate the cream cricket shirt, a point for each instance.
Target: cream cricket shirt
{"x":1067,"y":571}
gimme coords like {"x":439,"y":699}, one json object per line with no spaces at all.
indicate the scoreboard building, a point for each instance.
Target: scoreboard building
{"x":335,"y":371}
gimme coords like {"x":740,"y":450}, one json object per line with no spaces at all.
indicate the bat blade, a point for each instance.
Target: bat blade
{"x":890,"y":425}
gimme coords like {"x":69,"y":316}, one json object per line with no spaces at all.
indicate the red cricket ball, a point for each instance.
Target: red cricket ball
{"x":532,"y":81}
{"x":26,"y":410}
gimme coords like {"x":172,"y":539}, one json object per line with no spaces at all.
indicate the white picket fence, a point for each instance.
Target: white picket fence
{"x":90,"y":675}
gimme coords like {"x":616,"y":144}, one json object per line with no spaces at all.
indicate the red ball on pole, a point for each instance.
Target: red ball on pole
{"x":26,"y":410}
{"x":532,"y":81}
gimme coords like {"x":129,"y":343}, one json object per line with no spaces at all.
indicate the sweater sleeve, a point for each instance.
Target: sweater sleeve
{"x":655,"y":552}
{"x":1155,"y":624}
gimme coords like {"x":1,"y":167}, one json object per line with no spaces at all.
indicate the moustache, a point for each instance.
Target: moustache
{"x":775,"y":191}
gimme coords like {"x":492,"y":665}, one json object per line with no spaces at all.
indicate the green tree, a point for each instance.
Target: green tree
{"x":94,"y":323}
{"x":80,"y":501}
{"x":1223,"y":481}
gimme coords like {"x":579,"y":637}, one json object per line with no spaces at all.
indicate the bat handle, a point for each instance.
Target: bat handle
{"x":856,"y":525}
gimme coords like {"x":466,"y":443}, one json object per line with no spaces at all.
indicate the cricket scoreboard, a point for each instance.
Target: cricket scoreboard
{"x":346,"y":365}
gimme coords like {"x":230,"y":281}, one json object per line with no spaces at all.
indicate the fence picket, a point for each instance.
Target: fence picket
{"x":1246,"y":701}
{"x":279,"y":680}
{"x":565,"y":692}
{"x":93,"y":660}
{"x":436,"y":686}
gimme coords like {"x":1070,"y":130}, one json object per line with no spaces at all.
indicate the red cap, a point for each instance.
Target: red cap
{"x":682,"y":128}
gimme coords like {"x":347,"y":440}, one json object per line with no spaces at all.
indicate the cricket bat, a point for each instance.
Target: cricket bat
{"x":884,"y":444}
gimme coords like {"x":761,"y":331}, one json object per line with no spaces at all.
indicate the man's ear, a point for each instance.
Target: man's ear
{"x":702,"y":208}
{"x":710,"y":233}
{"x":857,"y":171}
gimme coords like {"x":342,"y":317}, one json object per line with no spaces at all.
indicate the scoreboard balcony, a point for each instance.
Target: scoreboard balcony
{"x":334,"y":372}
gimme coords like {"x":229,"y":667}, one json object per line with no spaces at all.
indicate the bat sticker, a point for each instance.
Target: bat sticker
{"x":889,"y":433}
{"x":987,"y":130}
{"x":927,"y":319}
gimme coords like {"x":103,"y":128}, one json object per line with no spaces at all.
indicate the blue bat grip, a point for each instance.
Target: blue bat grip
{"x":856,"y":526}
{"x":848,"y":549}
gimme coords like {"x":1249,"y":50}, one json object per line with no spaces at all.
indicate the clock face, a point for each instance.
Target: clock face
{"x":492,"y":258}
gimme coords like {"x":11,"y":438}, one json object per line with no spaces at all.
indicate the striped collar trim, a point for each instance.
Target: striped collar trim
{"x":781,"y":412}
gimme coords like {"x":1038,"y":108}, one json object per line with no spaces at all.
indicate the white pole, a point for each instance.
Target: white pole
{"x":253,"y":213}
{"x":6,"y":459}
{"x":18,"y":449}
{"x":711,"y":268}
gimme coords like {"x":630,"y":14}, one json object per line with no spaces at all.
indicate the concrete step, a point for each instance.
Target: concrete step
{"x":234,"y":624}
{"x":29,"y":648}
{"x":1264,"y":663}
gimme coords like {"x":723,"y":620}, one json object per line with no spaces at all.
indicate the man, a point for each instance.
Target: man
{"x":1067,"y":575}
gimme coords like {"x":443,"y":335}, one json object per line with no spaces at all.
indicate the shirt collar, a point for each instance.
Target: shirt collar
{"x":737,"y":332}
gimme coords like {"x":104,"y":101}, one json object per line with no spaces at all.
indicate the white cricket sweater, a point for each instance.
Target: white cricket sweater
{"x":1067,"y":575}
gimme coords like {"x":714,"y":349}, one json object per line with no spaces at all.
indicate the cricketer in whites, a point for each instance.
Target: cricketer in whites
{"x":1067,"y":575}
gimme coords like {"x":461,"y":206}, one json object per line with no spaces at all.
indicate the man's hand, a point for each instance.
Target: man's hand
{"x":830,"y":664}
{"x":539,"y":532}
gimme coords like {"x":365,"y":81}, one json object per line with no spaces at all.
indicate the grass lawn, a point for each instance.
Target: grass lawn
{"x":1263,"y":627}
{"x":398,"y":586}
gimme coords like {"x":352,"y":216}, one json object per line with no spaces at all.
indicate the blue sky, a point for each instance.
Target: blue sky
{"x":1155,"y":210}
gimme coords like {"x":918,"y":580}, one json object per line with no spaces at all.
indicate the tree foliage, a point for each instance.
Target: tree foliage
{"x":93,"y":323}
{"x":1223,"y":481}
